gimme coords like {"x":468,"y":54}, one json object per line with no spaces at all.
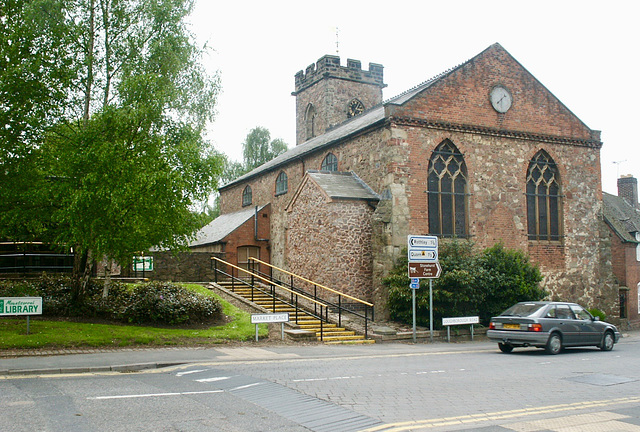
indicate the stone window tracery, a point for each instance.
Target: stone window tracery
{"x":544,"y":199}
{"x":447,"y":192}
{"x":246,"y":196}
{"x":282,"y":183}
{"x":329,"y":163}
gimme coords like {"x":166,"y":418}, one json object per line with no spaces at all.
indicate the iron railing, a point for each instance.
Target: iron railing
{"x":342,"y":303}
{"x":230,"y":272}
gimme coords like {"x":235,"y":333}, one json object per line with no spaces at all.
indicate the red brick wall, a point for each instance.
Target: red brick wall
{"x":626,"y":268}
{"x":463,"y":98}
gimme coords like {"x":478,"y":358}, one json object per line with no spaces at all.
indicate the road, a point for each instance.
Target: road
{"x":382,"y":387}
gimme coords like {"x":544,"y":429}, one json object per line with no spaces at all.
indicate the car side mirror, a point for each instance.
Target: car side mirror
{"x":596,"y":319}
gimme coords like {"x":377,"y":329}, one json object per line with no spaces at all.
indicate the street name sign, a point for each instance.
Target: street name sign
{"x":460,"y":320}
{"x":425,"y":270}
{"x":270,"y":318}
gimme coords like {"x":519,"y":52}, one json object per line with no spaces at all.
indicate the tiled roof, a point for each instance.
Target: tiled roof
{"x":621,"y":216}
{"x":343,"y":185}
{"x":222,"y":226}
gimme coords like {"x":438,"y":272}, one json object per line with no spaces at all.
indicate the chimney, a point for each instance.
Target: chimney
{"x":628,"y":189}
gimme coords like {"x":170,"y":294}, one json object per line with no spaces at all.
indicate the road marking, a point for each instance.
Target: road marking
{"x":326,"y":379}
{"x":246,"y":386}
{"x":148,"y":395}
{"x":190,"y":372}
{"x":214,"y":379}
{"x":500,"y":415}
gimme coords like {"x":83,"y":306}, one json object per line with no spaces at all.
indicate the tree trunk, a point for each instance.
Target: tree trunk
{"x":107,"y":278}
{"x":82,"y":267}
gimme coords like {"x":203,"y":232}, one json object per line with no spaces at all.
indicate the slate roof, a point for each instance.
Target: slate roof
{"x":621,"y":217}
{"x":222,"y":226}
{"x":343,"y":185}
{"x":368,"y":119}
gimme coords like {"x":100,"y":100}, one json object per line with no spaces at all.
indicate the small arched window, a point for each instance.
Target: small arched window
{"x":310,"y":121}
{"x":329,"y":163}
{"x":544,"y":201}
{"x":282,"y":183}
{"x":447,"y":187}
{"x":246,"y":196}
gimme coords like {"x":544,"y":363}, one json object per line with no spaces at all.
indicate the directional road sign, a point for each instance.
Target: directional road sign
{"x":424,"y":270}
{"x":423,"y":255}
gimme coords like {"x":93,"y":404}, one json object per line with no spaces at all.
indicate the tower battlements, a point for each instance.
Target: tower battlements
{"x":329,"y":66}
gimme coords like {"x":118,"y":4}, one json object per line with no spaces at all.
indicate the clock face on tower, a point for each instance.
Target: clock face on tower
{"x":355,"y":108}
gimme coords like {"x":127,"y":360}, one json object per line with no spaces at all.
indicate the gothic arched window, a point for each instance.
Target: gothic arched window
{"x":447,"y":189}
{"x":544,"y":202}
{"x":310,"y":121}
{"x":246,"y":196}
{"x":329,"y":163}
{"x":282,"y":183}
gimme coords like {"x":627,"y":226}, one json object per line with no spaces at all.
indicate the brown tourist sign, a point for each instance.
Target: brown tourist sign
{"x":424,"y":270}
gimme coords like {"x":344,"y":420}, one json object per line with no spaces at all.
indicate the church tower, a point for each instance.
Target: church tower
{"x":328,"y":94}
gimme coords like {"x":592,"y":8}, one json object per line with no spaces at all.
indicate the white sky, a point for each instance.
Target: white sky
{"x":585,"y":52}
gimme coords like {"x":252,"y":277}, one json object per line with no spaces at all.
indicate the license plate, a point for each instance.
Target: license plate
{"x":511,"y":326}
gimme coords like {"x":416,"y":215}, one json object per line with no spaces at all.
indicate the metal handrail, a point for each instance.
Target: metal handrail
{"x":312,"y":282}
{"x":322,"y":305}
{"x":340,"y":295}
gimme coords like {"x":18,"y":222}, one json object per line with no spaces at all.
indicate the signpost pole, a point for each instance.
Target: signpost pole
{"x":413,"y":306}
{"x":431,"y":310}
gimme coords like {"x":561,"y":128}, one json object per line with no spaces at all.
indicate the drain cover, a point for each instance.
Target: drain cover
{"x":601,"y":379}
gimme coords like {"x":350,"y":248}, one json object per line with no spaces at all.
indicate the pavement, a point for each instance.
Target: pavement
{"x":68,"y":361}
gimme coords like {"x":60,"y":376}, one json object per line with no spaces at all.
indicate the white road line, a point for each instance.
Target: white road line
{"x":148,"y":395}
{"x":190,"y":372}
{"x":246,"y":386}
{"x":326,"y":379}
{"x":206,"y":380}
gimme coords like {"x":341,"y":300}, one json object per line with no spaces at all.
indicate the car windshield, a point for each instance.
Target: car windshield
{"x":523,"y":309}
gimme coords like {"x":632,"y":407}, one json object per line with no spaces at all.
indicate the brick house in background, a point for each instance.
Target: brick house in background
{"x":483,"y":152}
{"x":622,"y":215}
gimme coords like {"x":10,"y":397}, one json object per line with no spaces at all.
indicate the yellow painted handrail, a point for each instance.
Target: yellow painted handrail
{"x":312,"y":283}
{"x":269,"y":282}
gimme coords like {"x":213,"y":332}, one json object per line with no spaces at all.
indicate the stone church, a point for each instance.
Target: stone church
{"x":483,"y":151}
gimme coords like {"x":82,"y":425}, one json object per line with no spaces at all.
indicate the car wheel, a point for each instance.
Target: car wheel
{"x":505,"y":348}
{"x":554,"y":344}
{"x":607,"y":342}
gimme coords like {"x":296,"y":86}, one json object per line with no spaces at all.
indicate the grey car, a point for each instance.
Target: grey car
{"x":552,"y":326}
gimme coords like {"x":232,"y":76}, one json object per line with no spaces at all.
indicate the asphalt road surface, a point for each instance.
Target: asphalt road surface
{"x":382,"y":387}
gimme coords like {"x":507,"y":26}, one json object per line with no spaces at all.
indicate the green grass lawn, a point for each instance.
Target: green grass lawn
{"x":67,"y":334}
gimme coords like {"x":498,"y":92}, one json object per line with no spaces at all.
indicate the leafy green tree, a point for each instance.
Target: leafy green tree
{"x":471,"y":283}
{"x":258,"y":148}
{"x":117,"y":158}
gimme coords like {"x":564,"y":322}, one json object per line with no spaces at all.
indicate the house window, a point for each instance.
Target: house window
{"x":246,"y":196}
{"x":447,"y":189}
{"x":310,"y":121}
{"x":329,"y":163}
{"x":543,"y":199}
{"x":282,"y":183}
{"x":638,"y":247}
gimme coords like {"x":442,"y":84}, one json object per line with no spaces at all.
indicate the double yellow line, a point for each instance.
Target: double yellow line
{"x":416,"y":425}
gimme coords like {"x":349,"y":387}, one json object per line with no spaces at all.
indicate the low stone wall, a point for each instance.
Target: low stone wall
{"x":177,"y":267}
